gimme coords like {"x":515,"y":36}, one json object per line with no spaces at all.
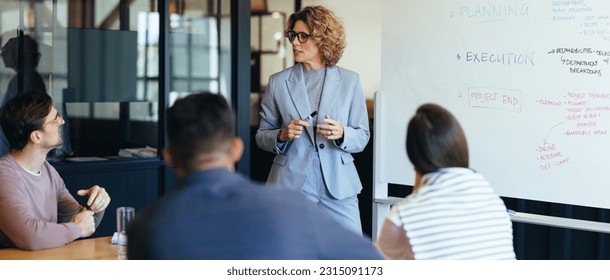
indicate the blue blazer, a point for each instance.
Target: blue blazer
{"x":342,"y":100}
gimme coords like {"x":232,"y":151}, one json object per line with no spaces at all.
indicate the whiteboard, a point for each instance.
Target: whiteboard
{"x":529,"y":81}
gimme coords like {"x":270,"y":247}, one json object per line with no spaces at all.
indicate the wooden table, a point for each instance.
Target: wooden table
{"x":86,"y":249}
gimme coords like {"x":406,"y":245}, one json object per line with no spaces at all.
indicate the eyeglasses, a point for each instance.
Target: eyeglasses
{"x":57,"y":120}
{"x":302,"y":36}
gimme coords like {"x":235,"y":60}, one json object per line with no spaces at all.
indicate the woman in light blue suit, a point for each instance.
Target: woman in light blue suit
{"x":314,"y":116}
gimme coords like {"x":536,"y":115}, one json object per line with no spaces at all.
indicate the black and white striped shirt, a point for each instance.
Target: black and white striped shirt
{"x":455,"y":214}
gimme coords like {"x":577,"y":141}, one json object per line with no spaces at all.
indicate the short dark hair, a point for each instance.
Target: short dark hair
{"x":199,"y":124}
{"x":435,"y":140}
{"x":24,"y":114}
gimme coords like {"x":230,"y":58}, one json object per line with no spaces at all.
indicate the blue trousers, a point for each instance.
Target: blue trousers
{"x":345,"y":211}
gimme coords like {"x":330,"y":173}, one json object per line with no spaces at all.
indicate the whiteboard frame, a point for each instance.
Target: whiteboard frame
{"x":382,"y":203}
{"x":543,"y":220}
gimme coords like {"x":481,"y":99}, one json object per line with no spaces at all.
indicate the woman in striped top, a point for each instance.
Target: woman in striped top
{"x":453,"y":213}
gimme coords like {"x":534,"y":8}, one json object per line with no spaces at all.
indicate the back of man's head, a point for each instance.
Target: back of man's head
{"x":22,"y":115}
{"x":199,"y":127}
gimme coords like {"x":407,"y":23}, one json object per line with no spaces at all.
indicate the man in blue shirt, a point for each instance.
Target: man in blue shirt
{"x":216,"y":213}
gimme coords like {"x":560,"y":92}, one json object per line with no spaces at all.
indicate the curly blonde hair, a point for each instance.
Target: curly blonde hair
{"x":326,"y":30}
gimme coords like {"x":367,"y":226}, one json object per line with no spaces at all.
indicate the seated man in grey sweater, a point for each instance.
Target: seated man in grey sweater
{"x":36,"y":209}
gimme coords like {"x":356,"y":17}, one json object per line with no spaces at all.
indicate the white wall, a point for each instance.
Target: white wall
{"x":362,"y":20}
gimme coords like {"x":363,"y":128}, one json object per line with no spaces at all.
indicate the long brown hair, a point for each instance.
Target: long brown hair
{"x":435,"y":140}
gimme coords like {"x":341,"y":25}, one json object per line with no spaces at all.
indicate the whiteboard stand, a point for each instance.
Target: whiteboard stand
{"x":380,"y":211}
{"x":380,"y":188}
{"x":381,"y":201}
{"x":543,"y":220}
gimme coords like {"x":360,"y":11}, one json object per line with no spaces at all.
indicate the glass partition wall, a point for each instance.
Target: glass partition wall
{"x":101,"y":63}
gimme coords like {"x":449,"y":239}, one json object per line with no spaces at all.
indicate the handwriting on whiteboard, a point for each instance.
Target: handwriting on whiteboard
{"x":583,"y":118}
{"x":497,"y":98}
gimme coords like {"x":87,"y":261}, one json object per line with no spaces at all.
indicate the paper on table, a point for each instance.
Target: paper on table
{"x":146,"y":152}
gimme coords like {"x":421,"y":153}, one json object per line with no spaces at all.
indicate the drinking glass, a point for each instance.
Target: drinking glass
{"x":124,"y":215}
